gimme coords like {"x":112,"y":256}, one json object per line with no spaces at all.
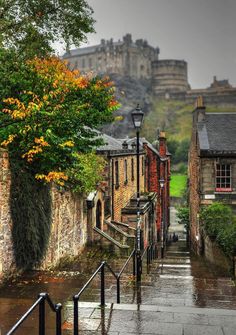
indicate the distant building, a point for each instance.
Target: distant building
{"x":168,"y":78}
{"x":124,"y":57}
{"x":212,"y":164}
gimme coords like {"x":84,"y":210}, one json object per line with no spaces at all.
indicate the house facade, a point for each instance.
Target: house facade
{"x":212,"y":165}
{"x":120,"y":185}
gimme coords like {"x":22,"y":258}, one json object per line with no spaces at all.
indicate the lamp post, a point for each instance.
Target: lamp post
{"x":137,"y":118}
{"x":162,"y":184}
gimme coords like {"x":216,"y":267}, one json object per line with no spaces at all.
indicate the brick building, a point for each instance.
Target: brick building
{"x":212,"y":165}
{"x":120,"y":184}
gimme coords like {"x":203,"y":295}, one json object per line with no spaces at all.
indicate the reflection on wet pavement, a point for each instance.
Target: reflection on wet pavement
{"x":179,"y":280}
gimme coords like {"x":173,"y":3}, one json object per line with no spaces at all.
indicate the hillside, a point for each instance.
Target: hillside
{"x":175,"y":117}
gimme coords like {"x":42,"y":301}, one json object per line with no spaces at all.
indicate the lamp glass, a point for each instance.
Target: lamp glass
{"x":137,"y":117}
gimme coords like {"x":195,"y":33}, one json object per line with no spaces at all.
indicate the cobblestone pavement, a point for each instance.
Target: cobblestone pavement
{"x":181,"y":294}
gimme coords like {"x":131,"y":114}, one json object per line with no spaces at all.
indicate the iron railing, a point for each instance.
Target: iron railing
{"x":42,"y":299}
{"x":151,"y":252}
{"x":101,"y":270}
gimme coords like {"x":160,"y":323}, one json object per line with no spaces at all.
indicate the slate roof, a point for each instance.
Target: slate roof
{"x":110,"y":143}
{"x":217,"y":133}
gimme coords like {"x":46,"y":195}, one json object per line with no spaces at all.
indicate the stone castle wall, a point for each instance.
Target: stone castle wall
{"x":169,"y":75}
{"x":126,"y":58}
{"x":139,"y":60}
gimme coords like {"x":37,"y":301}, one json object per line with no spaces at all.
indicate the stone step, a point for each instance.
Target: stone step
{"x":147,"y":319}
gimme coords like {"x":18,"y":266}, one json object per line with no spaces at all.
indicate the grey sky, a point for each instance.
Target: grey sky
{"x":203,"y":32}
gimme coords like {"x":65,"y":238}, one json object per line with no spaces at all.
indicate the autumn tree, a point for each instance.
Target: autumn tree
{"x":48,"y":115}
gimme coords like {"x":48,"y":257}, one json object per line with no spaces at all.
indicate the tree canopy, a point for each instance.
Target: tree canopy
{"x":47,"y":119}
{"x":31,"y":26}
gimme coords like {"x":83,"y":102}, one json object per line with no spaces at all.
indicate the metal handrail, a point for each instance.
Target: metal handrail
{"x":41,"y":303}
{"x":101,"y":269}
{"x":76,"y":297}
{"x":121,"y":272}
{"x":126,"y":263}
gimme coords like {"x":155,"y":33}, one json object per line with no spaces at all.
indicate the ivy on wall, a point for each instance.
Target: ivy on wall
{"x":30,"y":204}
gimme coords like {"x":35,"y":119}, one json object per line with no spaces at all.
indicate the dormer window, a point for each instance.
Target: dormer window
{"x":223,"y":178}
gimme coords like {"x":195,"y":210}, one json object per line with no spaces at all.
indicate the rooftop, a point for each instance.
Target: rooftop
{"x":217,"y":132}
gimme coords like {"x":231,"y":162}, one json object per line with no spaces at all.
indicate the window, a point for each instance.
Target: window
{"x":117,"y":174}
{"x":125,"y":172}
{"x":143,"y":167}
{"x":223,"y":177}
{"x":132,"y":169}
{"x":83,"y":63}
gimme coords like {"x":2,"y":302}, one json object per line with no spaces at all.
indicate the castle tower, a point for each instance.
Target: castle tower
{"x":169,"y":75}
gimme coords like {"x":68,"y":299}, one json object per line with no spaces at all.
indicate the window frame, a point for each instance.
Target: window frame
{"x":125,"y":172}
{"x":132,"y":169}
{"x":223,"y":177}
{"x":116,"y":174}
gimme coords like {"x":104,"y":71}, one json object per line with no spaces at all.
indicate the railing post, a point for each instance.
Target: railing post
{"x":42,"y":314}
{"x":103,"y":285}
{"x":76,"y":314}
{"x":58,"y":308}
{"x":118,"y":290}
{"x":147,"y":257}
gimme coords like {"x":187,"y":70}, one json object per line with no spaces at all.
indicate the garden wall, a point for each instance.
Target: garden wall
{"x":215,"y":255}
{"x":68,"y":230}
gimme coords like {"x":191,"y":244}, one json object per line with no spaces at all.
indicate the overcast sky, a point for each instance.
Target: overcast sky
{"x":202,"y":32}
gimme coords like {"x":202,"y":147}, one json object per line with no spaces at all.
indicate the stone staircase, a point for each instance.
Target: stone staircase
{"x":116,"y":236}
{"x":178,"y":293}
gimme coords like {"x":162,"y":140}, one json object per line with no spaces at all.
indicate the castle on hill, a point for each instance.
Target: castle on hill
{"x":138,"y":60}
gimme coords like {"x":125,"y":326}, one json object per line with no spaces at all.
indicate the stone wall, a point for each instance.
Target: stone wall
{"x":127,"y":58}
{"x":69,"y":223}
{"x":69,"y":227}
{"x":214,"y":255}
{"x":193,"y":176}
{"x":6,"y":250}
{"x":169,"y":75}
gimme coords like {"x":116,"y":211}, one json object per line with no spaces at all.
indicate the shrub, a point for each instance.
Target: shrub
{"x":215,"y":217}
{"x":183,"y":216}
{"x":226,"y":239}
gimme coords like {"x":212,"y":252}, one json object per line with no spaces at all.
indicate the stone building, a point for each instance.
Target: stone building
{"x":212,"y":165}
{"x":167,"y":78}
{"x":169,"y":75}
{"x":126,"y":57}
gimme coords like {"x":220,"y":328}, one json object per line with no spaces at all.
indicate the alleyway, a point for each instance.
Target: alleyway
{"x":181,"y":294}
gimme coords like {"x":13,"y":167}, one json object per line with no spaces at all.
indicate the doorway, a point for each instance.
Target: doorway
{"x":99,"y":214}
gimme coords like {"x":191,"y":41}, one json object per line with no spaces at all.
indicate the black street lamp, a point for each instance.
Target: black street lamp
{"x":137,"y":118}
{"x":162,"y":184}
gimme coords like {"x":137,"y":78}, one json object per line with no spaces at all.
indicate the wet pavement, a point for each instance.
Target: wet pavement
{"x":180,"y":294}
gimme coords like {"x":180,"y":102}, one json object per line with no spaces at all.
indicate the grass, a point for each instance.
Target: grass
{"x":175,"y":117}
{"x":177,"y":185}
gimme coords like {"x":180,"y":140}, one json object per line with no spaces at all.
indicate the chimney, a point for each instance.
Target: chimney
{"x":162,"y":143}
{"x":125,"y":145}
{"x":133,"y":145}
{"x":199,"y":112}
